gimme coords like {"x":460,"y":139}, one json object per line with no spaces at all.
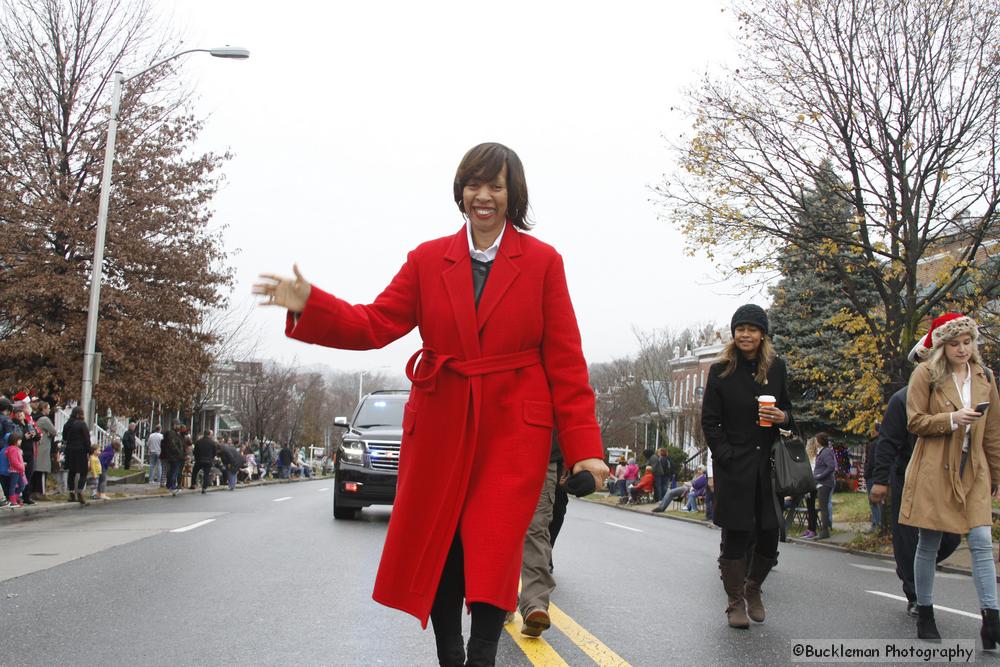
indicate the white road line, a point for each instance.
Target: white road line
{"x":278,"y":500}
{"x":876,"y":568}
{"x":192,"y":526}
{"x":618,"y":525}
{"x":325,"y":488}
{"x":936,"y":607}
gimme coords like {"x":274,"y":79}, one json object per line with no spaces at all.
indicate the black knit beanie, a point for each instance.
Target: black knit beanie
{"x":749,"y":314}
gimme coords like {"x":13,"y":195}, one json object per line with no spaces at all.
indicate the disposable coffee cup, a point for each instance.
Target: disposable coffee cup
{"x":765,"y":401}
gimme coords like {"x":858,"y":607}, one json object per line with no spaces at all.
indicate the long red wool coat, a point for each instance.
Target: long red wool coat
{"x":487,"y":391}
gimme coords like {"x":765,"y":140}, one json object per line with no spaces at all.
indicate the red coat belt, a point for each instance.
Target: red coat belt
{"x":433,"y":363}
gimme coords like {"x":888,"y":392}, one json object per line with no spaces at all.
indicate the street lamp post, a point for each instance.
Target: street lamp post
{"x":90,"y":344}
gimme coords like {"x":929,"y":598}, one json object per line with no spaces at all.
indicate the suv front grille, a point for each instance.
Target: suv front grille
{"x":384,"y":455}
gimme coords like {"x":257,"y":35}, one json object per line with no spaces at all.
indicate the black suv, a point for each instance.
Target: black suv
{"x":368,"y":459}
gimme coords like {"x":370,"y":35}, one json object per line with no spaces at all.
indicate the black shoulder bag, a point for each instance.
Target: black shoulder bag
{"x":791,"y":474}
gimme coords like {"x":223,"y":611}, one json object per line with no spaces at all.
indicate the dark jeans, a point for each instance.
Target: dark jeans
{"x":446,"y":613}
{"x":206,"y":469}
{"x":661,"y":484}
{"x":810,"y":499}
{"x":174,"y":473}
{"x":76,"y":464}
{"x":824,"y":506}
{"x":127,"y":457}
{"x":904,"y":544}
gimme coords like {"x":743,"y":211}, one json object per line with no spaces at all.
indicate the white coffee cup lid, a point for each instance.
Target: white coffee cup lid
{"x":765,"y":399}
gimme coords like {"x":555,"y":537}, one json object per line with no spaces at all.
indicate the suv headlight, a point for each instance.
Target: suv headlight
{"x":354,"y":452}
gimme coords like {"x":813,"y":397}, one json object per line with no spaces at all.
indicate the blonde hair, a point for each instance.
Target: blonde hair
{"x":937,"y":362}
{"x":811,"y":447}
{"x":765,"y":357}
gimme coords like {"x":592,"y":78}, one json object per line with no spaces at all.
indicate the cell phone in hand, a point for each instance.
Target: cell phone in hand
{"x":981,"y":407}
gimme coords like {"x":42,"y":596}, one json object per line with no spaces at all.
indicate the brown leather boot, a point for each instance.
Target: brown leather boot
{"x":732,"y":572}
{"x":756,"y":574}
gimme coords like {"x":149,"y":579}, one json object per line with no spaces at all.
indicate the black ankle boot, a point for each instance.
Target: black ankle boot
{"x":926,"y":627}
{"x":451,"y":651}
{"x":481,"y":653}
{"x":990,"y":632}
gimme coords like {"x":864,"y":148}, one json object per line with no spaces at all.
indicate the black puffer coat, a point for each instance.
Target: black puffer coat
{"x":741,"y":450}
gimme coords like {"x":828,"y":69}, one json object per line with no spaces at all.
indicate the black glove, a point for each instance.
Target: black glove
{"x":581,"y":484}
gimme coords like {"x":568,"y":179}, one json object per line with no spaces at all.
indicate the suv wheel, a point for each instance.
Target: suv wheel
{"x":341,"y":512}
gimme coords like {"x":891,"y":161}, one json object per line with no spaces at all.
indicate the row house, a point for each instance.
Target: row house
{"x":688,"y":373}
{"x":224,"y":386}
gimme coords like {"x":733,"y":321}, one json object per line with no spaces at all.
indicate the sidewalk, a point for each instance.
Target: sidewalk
{"x":844,"y":534}
{"x":126,"y":492}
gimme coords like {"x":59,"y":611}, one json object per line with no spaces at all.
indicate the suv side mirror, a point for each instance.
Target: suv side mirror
{"x":340,"y":421}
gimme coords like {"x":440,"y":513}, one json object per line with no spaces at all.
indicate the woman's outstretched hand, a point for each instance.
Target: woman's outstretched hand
{"x":290,"y":293}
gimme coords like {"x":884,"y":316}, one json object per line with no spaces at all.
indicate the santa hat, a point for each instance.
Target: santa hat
{"x":20,"y":396}
{"x":943,"y":329}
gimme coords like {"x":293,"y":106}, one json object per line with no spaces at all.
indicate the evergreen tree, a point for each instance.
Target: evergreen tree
{"x":810,"y":313}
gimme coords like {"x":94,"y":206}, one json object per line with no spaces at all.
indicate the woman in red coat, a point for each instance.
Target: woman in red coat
{"x":500,"y":367}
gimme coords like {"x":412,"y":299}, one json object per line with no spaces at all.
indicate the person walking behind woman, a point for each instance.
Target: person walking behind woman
{"x":954,"y":410}
{"x":825,"y":471}
{"x":739,"y":431}
{"x":500,"y":365}
{"x":76,"y":440}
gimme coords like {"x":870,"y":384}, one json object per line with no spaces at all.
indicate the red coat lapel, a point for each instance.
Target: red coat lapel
{"x":458,"y":283}
{"x":502,"y":274}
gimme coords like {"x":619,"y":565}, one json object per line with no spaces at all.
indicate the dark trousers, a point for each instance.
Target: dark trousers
{"x":661,"y":484}
{"x":810,"y":499}
{"x":446,"y":613}
{"x":29,"y":470}
{"x":76,"y":464}
{"x":824,"y":506}
{"x":174,"y":473}
{"x":736,"y":543}
{"x":206,"y":468}
{"x":127,"y":457}
{"x":904,"y":543}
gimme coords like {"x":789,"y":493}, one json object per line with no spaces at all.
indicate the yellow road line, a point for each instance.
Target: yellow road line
{"x":587,"y":642}
{"x":539,"y":652}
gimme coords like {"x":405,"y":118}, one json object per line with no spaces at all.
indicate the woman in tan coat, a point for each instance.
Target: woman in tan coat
{"x":954,"y":410}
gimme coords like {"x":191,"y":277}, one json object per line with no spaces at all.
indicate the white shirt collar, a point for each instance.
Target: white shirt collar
{"x":490,"y":253}
{"x":965,"y":389}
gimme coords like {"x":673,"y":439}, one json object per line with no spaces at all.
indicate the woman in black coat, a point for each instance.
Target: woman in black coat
{"x":745,"y":506}
{"x":76,"y":439}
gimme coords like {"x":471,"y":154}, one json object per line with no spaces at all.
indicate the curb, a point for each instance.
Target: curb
{"x":794,"y":540}
{"x":8,"y":515}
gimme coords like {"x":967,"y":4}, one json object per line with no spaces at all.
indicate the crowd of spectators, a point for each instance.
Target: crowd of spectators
{"x":38,"y":462}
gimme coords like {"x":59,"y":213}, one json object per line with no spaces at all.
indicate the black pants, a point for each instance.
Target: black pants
{"x":736,"y":543}
{"x":127,"y":457}
{"x":206,"y":468}
{"x":824,"y":506}
{"x":446,"y":613}
{"x":904,"y":543}
{"x":29,"y":470}
{"x":810,"y":499}
{"x":76,"y":464}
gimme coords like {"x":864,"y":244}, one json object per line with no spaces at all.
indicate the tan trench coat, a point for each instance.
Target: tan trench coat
{"x":933,"y":496}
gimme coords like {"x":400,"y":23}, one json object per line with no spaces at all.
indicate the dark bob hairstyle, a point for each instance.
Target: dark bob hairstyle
{"x":484,"y":162}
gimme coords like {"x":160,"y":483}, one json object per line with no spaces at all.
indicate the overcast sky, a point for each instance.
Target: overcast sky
{"x":349,"y":119}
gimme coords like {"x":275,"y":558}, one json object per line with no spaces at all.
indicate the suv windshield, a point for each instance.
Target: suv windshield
{"x":380,"y":411}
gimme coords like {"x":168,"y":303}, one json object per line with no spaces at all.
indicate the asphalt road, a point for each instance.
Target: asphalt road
{"x":265,"y":576}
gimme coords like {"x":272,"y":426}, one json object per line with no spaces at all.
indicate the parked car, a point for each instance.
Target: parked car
{"x":367,"y":461}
